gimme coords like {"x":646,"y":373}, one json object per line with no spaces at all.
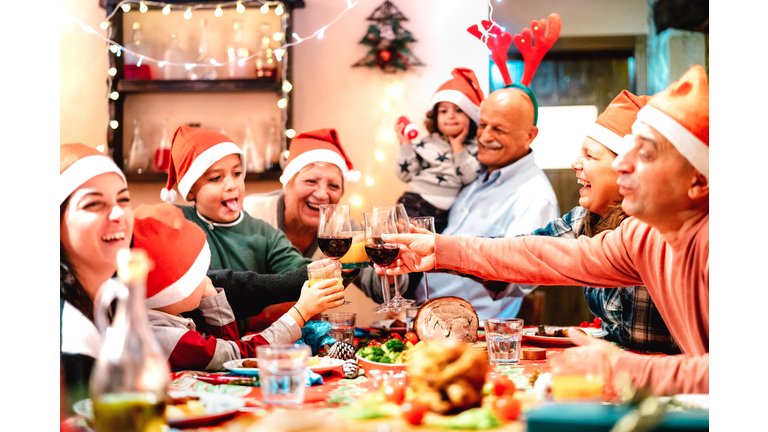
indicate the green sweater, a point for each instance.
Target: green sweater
{"x":247,"y":244}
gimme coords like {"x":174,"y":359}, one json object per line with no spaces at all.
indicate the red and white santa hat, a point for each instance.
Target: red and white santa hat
{"x":615,"y":123}
{"x":178,"y":249}
{"x":681,"y":114}
{"x":320,"y":145}
{"x":463,"y":90}
{"x":193,"y":151}
{"x":79,"y":163}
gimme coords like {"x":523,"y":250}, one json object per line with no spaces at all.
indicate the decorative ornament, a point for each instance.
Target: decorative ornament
{"x":350,"y":368}
{"x":387,"y":40}
{"x":342,"y":351}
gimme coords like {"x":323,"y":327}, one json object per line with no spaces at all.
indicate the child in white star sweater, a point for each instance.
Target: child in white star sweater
{"x":439,"y":165}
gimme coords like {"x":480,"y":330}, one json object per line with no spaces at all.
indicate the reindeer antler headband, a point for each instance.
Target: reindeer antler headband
{"x":545,"y":33}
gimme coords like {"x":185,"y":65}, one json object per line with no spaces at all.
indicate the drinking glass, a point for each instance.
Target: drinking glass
{"x":401,"y":222}
{"x":282,"y":370}
{"x":334,"y":232}
{"x":355,"y":257}
{"x":342,"y":326}
{"x":427,"y":223}
{"x":576,"y":377}
{"x":381,"y":253}
{"x":325,"y":269}
{"x":503,"y":336}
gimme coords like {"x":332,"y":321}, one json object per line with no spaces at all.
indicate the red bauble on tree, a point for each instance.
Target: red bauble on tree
{"x":388,"y":39}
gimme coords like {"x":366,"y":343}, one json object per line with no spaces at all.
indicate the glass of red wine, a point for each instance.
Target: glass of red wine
{"x":381,"y":253}
{"x":334,"y":232}
{"x":401,"y":224}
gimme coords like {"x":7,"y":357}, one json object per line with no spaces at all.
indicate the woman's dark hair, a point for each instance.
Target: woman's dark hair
{"x":594,"y":224}
{"x":431,"y":124}
{"x":70,"y":288}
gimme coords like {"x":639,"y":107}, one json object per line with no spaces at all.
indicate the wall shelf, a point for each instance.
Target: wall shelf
{"x":157,"y":177}
{"x":267,"y":85}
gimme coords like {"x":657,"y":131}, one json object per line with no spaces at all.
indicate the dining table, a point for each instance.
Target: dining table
{"x":323,"y":403}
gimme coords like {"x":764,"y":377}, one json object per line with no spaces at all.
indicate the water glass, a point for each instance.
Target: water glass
{"x":410,"y":317}
{"x":282,"y":373}
{"x":342,"y":326}
{"x":503,"y":337}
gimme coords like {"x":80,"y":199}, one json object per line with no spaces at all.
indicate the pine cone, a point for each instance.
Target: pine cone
{"x":350,"y":368}
{"x":341,"y":350}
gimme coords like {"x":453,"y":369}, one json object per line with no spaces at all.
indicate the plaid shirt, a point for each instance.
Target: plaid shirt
{"x":628,"y":314}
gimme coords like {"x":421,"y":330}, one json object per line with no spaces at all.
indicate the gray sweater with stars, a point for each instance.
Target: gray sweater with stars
{"x":432,"y":168}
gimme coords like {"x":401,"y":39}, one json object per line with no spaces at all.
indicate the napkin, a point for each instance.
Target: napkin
{"x":315,"y":335}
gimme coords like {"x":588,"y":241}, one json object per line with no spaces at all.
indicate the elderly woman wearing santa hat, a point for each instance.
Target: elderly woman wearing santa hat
{"x":315,"y":173}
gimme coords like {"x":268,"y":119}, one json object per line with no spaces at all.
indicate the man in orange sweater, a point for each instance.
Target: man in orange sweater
{"x":664,"y":245}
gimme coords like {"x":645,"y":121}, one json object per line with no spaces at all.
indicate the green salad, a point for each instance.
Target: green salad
{"x":389,"y":352}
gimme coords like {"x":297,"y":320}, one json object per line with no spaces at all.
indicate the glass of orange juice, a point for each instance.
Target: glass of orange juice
{"x":324,"y":269}
{"x":355,"y":256}
{"x":576,"y":377}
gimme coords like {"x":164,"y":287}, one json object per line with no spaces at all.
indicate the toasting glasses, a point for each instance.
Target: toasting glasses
{"x":381,"y":253}
{"x":401,"y":224}
{"x":334,"y":232}
{"x":427,"y":223}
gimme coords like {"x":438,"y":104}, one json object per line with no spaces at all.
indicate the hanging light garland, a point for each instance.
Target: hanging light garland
{"x":264,"y":7}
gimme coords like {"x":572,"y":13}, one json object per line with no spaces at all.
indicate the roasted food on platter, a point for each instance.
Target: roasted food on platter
{"x":447,"y":376}
{"x":447,"y":318}
{"x":561,"y":332}
{"x":183,"y":407}
{"x":252,"y":363}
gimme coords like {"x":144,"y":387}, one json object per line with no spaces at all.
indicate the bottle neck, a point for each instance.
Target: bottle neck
{"x":238,"y":36}
{"x":203,"y":40}
{"x":137,"y":36}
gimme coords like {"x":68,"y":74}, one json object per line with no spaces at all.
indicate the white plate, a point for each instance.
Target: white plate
{"x":236,"y":367}
{"x":530,"y":335}
{"x":217,"y":407}
{"x":692,"y":400}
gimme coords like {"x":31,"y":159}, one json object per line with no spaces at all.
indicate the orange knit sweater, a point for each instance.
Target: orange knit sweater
{"x":675,"y":274}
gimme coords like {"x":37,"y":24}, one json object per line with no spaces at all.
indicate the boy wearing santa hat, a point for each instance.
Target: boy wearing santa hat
{"x":210,"y":171}
{"x":178,"y":283}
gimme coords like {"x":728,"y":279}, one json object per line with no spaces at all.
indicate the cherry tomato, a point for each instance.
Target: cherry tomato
{"x":503,"y":385}
{"x":395,"y":336}
{"x":413,"y":411}
{"x":411,"y":337}
{"x":394,"y":392}
{"x":374,"y":343}
{"x":506,"y":408}
{"x":597,"y":322}
{"x":584,"y":324}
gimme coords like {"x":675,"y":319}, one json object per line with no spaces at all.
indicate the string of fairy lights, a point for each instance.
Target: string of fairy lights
{"x":264,"y":7}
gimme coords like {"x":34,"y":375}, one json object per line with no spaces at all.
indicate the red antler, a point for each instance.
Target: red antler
{"x":497,"y":42}
{"x":532,"y":55}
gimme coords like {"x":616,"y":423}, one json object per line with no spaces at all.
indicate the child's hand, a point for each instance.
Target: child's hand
{"x":400,"y":132}
{"x":210,"y":291}
{"x":457,"y":142}
{"x":320,"y":297}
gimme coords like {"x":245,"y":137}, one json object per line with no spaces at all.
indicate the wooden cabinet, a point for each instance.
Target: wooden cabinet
{"x":222,"y":104}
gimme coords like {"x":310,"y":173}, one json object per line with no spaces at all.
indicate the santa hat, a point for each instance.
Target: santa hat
{"x":463,"y":90}
{"x":615,"y":123}
{"x":79,"y":163}
{"x":681,"y":114}
{"x":178,"y":249}
{"x":193,"y":151}
{"x":317,"y":146}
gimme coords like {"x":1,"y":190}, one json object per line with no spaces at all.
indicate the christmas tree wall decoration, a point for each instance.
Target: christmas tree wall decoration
{"x":388,"y":39}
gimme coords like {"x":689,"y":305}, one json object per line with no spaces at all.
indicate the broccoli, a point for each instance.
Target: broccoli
{"x":394,"y":345}
{"x":370,"y":352}
{"x":384,"y":359}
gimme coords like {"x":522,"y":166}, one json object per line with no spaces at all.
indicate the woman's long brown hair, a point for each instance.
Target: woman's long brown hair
{"x":595,"y":224}
{"x":71,"y":290}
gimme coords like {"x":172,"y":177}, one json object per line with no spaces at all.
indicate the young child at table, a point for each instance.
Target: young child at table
{"x":439,"y":165}
{"x":178,"y":283}
{"x":210,"y":171}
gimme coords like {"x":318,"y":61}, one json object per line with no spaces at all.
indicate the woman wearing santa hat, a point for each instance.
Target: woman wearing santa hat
{"x":315,"y":173}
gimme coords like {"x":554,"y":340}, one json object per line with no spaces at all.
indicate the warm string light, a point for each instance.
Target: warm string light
{"x":143,"y":7}
{"x":218,"y":12}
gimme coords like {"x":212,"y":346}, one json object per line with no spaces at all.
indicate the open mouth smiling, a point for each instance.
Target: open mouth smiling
{"x":313,"y":206}
{"x":117,"y":236}
{"x":230,"y":204}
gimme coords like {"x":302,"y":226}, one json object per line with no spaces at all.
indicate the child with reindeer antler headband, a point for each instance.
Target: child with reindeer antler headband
{"x":439,"y":165}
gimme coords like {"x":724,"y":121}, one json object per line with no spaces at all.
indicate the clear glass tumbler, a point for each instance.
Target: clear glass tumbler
{"x":503,"y":336}
{"x":282,"y":373}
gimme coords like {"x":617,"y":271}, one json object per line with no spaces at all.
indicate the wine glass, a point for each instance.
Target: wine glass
{"x":427,"y":223}
{"x":401,"y":222}
{"x":381,"y":253}
{"x":334,"y":232}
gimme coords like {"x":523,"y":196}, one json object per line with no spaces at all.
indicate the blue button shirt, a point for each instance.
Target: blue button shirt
{"x":516,"y":199}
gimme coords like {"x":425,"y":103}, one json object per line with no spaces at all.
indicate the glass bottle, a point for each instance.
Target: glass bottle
{"x":272,"y":150}
{"x":138,"y":159}
{"x":237,"y":53}
{"x":253,"y":160}
{"x":174,"y":54}
{"x":163,"y":153}
{"x":130,"y":377}
{"x":135,"y":66}
{"x":206,"y":70}
{"x":266,"y":65}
